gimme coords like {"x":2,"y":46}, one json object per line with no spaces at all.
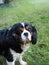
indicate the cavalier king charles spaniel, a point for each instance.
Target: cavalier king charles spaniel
{"x":15,"y":40}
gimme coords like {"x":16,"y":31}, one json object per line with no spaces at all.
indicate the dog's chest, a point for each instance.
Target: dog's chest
{"x":25,"y":47}
{"x":16,"y":56}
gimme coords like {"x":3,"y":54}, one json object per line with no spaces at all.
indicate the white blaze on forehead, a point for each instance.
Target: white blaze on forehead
{"x":23,"y":24}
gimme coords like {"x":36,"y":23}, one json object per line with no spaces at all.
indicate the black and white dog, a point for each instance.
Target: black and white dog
{"x":16,"y":40}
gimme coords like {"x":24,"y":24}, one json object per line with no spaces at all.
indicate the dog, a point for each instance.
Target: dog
{"x":14,"y":41}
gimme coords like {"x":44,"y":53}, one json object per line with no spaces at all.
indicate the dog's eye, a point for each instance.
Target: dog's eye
{"x":21,"y":29}
{"x":27,"y":27}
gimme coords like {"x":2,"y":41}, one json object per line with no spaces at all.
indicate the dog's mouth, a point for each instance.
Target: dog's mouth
{"x":26,"y":41}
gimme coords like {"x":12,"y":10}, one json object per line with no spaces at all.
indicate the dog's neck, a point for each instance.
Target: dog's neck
{"x":25,"y":46}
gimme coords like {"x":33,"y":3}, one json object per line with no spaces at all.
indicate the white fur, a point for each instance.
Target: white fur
{"x":22,"y":24}
{"x":18,"y":56}
{"x":10,"y":63}
{"x":24,"y":38}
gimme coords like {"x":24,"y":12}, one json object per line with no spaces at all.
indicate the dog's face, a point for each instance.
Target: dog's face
{"x":26,"y":31}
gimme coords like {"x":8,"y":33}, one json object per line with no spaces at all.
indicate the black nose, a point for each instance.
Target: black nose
{"x":26,"y":34}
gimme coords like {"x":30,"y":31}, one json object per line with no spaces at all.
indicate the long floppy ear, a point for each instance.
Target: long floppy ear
{"x":34,"y":35}
{"x":14,"y":29}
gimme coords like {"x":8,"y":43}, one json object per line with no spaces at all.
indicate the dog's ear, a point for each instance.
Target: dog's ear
{"x":14,"y":29}
{"x":34,"y":35}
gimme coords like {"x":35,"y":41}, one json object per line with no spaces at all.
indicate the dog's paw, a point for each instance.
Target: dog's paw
{"x":24,"y":63}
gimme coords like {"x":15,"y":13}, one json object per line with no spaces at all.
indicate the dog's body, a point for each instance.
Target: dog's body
{"x":15,"y":41}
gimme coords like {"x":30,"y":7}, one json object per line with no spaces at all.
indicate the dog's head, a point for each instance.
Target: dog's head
{"x":25,"y":31}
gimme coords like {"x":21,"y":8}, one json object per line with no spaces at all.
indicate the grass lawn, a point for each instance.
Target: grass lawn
{"x":37,"y":13}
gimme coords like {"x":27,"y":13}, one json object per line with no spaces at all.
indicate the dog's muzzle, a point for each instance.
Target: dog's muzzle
{"x":26,"y":36}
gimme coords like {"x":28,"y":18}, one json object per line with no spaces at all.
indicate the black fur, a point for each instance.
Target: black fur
{"x":11,"y":39}
{"x":34,"y":35}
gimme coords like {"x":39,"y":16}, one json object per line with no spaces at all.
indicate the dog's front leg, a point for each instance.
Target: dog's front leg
{"x":21,"y":61}
{"x":10,"y":63}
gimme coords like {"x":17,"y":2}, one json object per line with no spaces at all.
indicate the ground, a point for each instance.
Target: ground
{"x":37,"y":13}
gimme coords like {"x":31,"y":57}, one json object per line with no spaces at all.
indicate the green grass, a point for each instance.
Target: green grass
{"x":37,"y":13}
